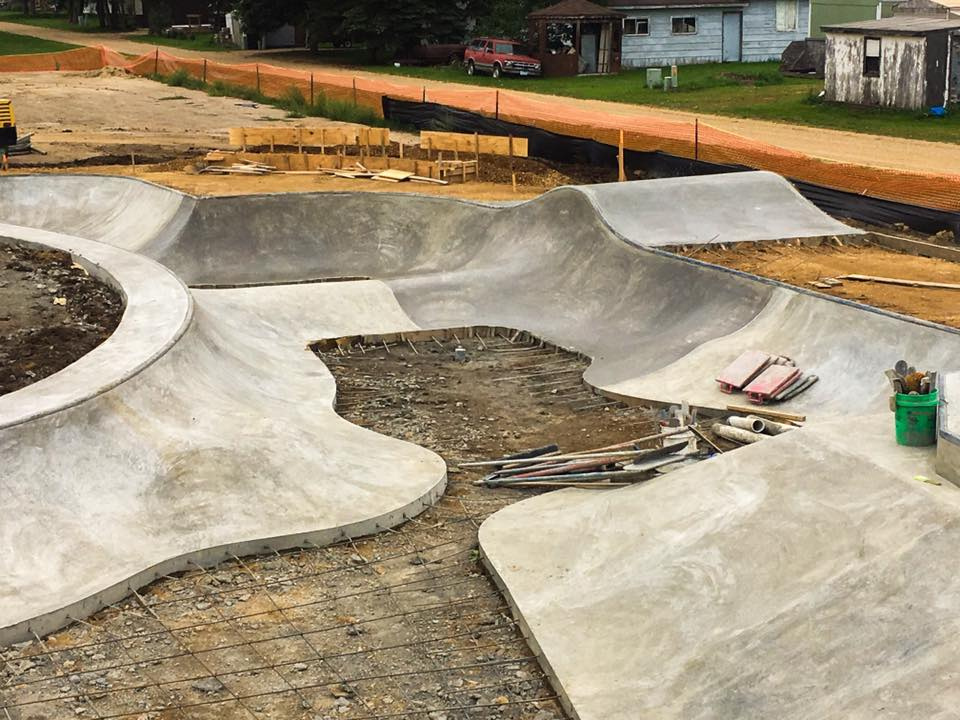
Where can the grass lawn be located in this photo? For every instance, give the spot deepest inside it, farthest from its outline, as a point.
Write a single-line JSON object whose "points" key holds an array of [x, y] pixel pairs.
{"points": [[747, 90], [11, 44], [201, 41]]}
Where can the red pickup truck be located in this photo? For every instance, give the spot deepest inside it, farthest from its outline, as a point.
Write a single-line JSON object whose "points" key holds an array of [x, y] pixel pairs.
{"points": [[499, 57]]}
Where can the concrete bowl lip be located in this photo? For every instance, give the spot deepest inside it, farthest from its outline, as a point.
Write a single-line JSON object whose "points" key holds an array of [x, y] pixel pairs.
{"points": [[158, 309]]}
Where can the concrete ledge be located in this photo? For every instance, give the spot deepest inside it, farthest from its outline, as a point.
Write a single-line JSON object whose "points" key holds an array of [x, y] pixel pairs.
{"points": [[157, 311]]}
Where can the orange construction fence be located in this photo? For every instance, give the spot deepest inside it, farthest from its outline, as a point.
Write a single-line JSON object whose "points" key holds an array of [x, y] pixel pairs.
{"points": [[684, 139]]}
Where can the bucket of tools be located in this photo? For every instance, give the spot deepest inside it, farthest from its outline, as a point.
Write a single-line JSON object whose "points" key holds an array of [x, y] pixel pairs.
{"points": [[915, 419], [914, 404]]}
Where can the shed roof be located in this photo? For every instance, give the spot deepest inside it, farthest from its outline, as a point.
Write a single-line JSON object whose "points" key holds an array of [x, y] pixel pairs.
{"points": [[896, 25], [649, 4], [575, 9]]}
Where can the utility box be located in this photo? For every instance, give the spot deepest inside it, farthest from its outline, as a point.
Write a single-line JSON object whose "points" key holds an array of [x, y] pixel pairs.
{"points": [[8, 124], [654, 77]]}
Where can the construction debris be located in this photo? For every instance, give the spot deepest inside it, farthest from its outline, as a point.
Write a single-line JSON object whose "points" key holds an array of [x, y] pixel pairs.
{"points": [[353, 172], [24, 147], [906, 380], [764, 377], [901, 281], [604, 467]]}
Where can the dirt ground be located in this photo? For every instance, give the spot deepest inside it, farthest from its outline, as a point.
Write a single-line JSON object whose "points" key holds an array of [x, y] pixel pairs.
{"points": [[99, 116], [801, 265], [402, 624], [112, 123], [51, 313]]}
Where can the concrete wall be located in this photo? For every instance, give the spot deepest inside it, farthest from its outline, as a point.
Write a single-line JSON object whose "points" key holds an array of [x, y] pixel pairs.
{"points": [[902, 80], [761, 40]]}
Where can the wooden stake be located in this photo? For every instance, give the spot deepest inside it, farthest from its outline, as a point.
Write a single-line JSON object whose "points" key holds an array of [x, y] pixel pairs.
{"points": [[476, 142], [696, 138], [258, 77], [204, 71], [271, 142], [424, 93], [354, 91], [300, 139], [312, 102], [514, 177], [622, 172], [497, 111], [323, 144], [243, 139], [156, 62], [133, 162], [400, 143]]}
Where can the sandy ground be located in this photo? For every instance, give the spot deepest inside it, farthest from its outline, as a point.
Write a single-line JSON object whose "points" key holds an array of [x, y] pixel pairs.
{"points": [[801, 265], [834, 145], [77, 116]]}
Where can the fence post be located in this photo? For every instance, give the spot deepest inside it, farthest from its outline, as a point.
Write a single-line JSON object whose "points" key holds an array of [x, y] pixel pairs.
{"points": [[156, 62], [204, 71], [258, 77], [497, 111], [354, 91], [696, 138], [311, 89], [621, 172], [424, 99]]}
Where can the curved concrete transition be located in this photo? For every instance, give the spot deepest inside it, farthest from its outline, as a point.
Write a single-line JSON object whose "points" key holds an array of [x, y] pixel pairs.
{"points": [[807, 566]]}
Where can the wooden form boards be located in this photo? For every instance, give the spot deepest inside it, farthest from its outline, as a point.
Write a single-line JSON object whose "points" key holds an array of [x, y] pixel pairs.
{"points": [[302, 162], [309, 137], [469, 143]]}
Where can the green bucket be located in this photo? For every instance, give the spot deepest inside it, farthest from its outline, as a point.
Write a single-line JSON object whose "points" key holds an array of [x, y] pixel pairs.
{"points": [[915, 417]]}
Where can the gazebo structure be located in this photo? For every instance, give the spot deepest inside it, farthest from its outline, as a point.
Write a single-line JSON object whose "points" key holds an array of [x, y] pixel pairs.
{"points": [[576, 37]]}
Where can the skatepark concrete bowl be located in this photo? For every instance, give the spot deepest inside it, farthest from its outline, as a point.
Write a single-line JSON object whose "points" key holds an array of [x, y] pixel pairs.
{"points": [[696, 595]]}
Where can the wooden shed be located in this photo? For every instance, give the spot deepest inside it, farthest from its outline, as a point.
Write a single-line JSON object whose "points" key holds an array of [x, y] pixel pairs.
{"points": [[903, 61], [576, 37]]}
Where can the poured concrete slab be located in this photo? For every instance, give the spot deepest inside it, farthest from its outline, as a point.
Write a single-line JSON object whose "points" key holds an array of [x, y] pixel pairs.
{"points": [[805, 576]]}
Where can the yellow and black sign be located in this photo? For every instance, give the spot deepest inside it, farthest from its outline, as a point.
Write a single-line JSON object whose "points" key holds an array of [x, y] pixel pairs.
{"points": [[8, 124]]}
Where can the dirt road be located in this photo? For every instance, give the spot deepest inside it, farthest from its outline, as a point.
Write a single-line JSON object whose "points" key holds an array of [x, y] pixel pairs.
{"points": [[836, 145]]}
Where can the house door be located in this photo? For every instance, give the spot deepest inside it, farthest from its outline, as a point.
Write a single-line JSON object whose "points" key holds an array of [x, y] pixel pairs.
{"points": [[588, 53], [954, 76], [732, 35]]}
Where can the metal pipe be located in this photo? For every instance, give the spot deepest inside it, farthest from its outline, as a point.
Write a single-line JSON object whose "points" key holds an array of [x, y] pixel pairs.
{"points": [[735, 434], [750, 422]]}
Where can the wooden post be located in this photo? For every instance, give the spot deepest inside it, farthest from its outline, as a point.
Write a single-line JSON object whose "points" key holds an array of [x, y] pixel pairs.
{"points": [[300, 139], [476, 142], [696, 138], [156, 62], [133, 162], [243, 139], [323, 144], [258, 77], [312, 102], [383, 144], [429, 142], [622, 172], [497, 111], [424, 93], [400, 143], [354, 91], [514, 177], [271, 142], [511, 147]]}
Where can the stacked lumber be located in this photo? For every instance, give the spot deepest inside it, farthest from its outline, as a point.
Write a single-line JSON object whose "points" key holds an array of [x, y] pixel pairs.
{"points": [[474, 143], [355, 171]]}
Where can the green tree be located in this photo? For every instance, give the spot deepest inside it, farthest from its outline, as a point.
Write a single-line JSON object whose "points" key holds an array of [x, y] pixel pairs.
{"points": [[259, 17]]}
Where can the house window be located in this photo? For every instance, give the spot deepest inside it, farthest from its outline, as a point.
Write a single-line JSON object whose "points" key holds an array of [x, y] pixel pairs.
{"points": [[871, 57], [683, 25], [786, 15], [636, 26]]}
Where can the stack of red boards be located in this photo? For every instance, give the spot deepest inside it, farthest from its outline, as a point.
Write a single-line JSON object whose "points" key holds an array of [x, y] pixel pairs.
{"points": [[771, 382], [745, 368]]}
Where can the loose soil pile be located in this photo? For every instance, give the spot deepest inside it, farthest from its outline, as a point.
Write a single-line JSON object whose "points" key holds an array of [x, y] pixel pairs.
{"points": [[51, 313]]}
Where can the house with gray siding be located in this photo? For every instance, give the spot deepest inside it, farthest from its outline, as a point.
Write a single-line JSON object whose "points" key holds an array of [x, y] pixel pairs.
{"points": [[684, 32]]}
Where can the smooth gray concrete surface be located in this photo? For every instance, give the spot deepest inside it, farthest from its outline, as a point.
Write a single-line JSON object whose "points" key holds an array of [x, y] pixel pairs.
{"points": [[805, 576], [656, 601], [699, 210]]}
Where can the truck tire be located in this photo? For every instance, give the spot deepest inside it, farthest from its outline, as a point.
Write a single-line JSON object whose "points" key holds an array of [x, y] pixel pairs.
{"points": [[496, 71], [471, 68]]}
